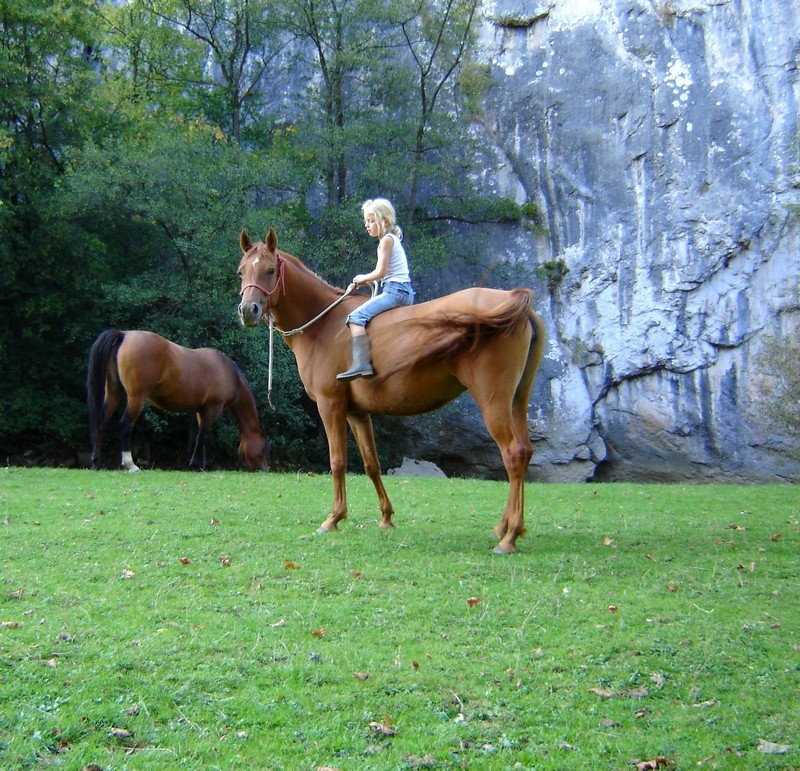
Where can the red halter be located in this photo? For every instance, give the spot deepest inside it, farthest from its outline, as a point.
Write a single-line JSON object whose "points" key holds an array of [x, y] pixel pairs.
{"points": [[280, 280]]}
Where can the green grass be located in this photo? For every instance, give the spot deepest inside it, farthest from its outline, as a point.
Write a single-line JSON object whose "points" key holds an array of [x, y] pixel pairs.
{"points": [[197, 613]]}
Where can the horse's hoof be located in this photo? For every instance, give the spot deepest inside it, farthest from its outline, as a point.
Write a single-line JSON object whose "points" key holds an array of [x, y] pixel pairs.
{"points": [[322, 530], [386, 525], [503, 550]]}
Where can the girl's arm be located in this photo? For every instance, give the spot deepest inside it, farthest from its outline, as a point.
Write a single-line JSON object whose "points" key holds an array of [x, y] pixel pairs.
{"points": [[385, 246]]}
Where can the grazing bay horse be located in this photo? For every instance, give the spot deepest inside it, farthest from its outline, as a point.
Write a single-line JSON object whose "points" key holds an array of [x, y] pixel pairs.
{"points": [[485, 341], [145, 367]]}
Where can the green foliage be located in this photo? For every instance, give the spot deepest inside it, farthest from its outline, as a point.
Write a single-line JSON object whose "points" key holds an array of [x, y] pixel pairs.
{"points": [[553, 271], [187, 620]]}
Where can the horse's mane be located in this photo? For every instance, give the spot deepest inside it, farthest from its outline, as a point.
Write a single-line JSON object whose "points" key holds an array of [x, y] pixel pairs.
{"points": [[305, 269], [456, 331]]}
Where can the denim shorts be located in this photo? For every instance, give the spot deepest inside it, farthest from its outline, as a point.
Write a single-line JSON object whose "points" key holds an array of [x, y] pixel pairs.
{"points": [[393, 295]]}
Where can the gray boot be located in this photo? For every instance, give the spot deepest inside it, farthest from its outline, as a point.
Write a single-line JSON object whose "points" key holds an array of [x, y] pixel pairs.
{"points": [[362, 364]]}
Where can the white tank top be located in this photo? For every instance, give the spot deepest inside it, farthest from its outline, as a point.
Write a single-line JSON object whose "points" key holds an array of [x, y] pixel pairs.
{"points": [[398, 263]]}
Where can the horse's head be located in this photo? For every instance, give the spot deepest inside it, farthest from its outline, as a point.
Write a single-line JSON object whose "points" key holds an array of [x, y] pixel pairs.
{"points": [[261, 274], [254, 452]]}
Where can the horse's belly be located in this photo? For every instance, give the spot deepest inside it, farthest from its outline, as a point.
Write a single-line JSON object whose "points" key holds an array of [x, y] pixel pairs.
{"points": [[395, 396]]}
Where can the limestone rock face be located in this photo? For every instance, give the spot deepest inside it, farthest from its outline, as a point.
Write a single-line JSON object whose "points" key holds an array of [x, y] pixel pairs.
{"points": [[658, 140]]}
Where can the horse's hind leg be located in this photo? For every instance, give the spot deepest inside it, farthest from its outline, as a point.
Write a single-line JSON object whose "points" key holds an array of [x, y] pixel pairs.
{"points": [[127, 423], [361, 426]]}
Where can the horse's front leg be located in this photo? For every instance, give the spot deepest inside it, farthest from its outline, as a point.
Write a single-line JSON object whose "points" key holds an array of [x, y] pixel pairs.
{"points": [[333, 418], [361, 426]]}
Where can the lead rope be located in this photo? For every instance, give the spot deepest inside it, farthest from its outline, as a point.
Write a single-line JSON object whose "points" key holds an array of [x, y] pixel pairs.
{"points": [[299, 331], [269, 369]]}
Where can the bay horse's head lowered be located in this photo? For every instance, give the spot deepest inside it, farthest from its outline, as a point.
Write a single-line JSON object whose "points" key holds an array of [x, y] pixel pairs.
{"points": [[261, 274]]}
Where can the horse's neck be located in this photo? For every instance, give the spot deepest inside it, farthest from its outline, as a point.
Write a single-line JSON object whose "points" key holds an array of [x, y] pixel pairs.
{"points": [[306, 295], [244, 410]]}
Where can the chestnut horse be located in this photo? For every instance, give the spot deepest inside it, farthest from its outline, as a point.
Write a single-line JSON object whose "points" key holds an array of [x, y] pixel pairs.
{"points": [[485, 341], [146, 367]]}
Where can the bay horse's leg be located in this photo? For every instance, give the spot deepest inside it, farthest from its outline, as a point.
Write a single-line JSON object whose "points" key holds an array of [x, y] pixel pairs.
{"points": [[333, 418], [205, 419], [128, 421], [199, 443], [113, 396], [361, 426]]}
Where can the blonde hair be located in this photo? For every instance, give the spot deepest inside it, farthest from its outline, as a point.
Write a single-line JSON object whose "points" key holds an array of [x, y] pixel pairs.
{"points": [[382, 211]]}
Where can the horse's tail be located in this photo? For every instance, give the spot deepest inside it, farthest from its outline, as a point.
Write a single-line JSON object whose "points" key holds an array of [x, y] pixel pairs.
{"points": [[457, 331], [535, 354], [103, 350]]}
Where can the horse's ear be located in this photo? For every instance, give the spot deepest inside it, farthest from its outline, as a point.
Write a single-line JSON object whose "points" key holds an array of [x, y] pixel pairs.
{"points": [[244, 241], [271, 240]]}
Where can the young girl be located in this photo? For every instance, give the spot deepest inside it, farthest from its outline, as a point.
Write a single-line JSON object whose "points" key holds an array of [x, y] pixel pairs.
{"points": [[392, 270]]}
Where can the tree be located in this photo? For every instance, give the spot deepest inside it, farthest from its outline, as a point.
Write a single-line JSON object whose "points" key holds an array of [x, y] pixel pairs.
{"points": [[437, 33], [347, 41], [241, 41]]}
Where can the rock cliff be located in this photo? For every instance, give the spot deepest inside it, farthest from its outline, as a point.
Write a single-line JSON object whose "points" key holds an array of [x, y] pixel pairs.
{"points": [[657, 139]]}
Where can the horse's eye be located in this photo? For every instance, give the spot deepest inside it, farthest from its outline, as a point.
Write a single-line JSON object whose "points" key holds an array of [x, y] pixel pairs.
{"points": [[271, 272]]}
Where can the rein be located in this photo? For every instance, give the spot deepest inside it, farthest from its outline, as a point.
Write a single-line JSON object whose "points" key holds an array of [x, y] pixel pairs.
{"points": [[280, 281]]}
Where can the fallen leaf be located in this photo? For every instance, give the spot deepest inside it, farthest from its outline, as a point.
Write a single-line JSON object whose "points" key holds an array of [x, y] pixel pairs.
{"points": [[672, 588], [658, 679], [16, 595], [120, 733], [281, 622], [650, 765], [415, 665], [776, 537], [126, 574], [214, 521], [705, 704], [11, 624], [603, 693], [608, 540], [651, 557], [52, 663], [473, 601], [318, 633], [383, 728], [225, 560], [612, 608], [771, 748], [356, 574], [289, 565], [185, 561], [361, 675], [739, 528], [134, 710]]}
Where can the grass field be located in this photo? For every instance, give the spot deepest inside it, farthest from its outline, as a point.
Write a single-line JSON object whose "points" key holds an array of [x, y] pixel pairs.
{"points": [[180, 620]]}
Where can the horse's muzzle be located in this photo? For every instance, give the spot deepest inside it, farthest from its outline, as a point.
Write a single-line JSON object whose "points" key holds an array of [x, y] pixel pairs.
{"points": [[250, 313]]}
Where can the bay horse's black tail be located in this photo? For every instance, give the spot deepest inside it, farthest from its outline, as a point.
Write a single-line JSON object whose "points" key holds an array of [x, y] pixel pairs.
{"points": [[103, 351]]}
